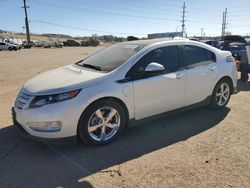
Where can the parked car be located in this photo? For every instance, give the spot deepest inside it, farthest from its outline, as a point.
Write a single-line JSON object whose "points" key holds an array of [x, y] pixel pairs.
{"points": [[132, 38], [85, 43], [214, 43], [55, 44], [38, 43], [16, 45], [27, 45], [90, 42], [235, 44], [7, 46], [71, 43], [235, 48], [97, 97]]}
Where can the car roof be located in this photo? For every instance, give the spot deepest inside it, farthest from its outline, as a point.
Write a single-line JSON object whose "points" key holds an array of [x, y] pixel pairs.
{"points": [[153, 41], [175, 41]]}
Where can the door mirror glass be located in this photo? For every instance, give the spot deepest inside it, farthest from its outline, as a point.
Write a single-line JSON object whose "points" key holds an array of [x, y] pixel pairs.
{"points": [[154, 68]]}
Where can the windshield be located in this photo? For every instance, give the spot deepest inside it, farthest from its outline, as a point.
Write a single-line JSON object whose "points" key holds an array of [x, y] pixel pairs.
{"points": [[110, 58]]}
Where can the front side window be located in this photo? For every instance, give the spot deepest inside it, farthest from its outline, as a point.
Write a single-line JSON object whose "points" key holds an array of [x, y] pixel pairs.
{"points": [[196, 56], [167, 56]]}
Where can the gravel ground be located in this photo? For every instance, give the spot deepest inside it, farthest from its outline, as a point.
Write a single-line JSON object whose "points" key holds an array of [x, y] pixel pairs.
{"points": [[198, 148]]}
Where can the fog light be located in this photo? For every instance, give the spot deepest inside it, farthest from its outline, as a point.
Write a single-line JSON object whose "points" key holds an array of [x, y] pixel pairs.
{"points": [[51, 126]]}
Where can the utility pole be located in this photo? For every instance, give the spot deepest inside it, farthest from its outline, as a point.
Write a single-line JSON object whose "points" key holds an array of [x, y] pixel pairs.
{"points": [[202, 32], [224, 23], [183, 18], [26, 21]]}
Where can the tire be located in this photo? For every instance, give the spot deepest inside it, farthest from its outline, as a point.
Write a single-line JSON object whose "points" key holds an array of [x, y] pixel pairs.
{"points": [[221, 94], [95, 120], [10, 49]]}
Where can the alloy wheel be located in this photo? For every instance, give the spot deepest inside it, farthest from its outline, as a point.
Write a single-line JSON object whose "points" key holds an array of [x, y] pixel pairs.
{"points": [[222, 94], [103, 123]]}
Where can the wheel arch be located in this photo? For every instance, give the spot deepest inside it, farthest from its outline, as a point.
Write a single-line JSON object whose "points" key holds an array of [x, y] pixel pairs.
{"points": [[114, 99], [111, 98], [230, 80]]}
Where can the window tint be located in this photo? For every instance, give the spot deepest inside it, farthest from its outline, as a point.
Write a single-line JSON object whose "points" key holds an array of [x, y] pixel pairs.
{"points": [[167, 56], [1, 43], [196, 56]]}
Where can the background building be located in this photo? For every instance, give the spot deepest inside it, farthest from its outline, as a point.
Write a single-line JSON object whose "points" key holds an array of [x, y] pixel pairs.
{"points": [[165, 35]]}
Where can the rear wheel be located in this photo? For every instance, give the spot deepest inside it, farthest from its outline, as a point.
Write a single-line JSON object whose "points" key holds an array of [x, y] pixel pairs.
{"points": [[102, 122], [221, 94], [10, 49]]}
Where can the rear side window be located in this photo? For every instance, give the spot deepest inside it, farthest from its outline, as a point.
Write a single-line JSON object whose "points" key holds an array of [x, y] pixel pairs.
{"points": [[197, 56]]}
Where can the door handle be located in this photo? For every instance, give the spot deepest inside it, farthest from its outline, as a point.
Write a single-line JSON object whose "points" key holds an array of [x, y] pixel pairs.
{"points": [[212, 68], [178, 76]]}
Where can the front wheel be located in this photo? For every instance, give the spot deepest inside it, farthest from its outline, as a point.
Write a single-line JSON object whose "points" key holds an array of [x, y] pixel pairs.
{"points": [[10, 49], [221, 94], [102, 122]]}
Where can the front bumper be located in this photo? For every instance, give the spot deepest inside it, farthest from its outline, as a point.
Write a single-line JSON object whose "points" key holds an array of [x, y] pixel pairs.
{"points": [[25, 134]]}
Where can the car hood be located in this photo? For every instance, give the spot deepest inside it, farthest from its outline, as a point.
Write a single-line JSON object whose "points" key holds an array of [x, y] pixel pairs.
{"points": [[63, 79], [234, 38]]}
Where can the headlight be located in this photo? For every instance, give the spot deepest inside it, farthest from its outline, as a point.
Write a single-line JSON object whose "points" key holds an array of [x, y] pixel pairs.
{"points": [[39, 101]]}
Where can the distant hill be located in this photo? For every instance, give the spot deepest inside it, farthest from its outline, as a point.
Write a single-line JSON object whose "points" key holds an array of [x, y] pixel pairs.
{"points": [[2, 31], [51, 35]]}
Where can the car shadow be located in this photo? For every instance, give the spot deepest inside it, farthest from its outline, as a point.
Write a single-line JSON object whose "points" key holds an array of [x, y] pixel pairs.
{"points": [[243, 86], [24, 163]]}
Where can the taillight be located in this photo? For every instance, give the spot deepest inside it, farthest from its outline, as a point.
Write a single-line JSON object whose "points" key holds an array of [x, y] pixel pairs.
{"points": [[230, 59]]}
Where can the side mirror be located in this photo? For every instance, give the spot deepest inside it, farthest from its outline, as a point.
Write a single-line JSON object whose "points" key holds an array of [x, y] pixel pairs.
{"points": [[154, 68]]}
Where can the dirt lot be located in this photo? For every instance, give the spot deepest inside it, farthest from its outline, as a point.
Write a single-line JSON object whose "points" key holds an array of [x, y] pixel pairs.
{"points": [[199, 148]]}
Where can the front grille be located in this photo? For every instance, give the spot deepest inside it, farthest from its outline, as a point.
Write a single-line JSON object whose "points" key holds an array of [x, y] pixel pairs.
{"points": [[22, 100]]}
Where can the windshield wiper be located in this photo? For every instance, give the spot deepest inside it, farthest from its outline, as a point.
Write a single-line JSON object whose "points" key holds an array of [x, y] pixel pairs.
{"points": [[91, 66]]}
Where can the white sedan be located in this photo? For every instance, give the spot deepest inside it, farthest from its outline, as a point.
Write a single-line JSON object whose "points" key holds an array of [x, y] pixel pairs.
{"points": [[7, 46], [96, 97]]}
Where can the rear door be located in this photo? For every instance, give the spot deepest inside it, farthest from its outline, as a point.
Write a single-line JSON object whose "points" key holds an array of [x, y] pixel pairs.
{"points": [[201, 70]]}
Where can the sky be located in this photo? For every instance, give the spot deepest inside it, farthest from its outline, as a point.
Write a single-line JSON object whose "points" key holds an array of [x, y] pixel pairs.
{"points": [[125, 17]]}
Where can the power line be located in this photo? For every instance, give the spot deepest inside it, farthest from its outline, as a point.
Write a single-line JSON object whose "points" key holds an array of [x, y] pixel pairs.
{"points": [[232, 26], [133, 15], [239, 11], [202, 22], [86, 29], [121, 15], [159, 12], [107, 12], [152, 4]]}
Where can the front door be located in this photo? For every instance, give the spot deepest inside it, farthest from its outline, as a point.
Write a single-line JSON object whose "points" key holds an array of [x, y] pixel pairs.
{"points": [[154, 94]]}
